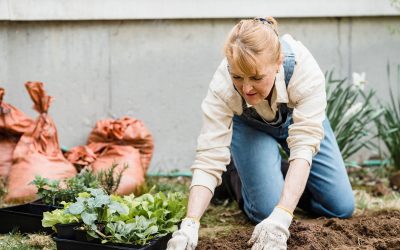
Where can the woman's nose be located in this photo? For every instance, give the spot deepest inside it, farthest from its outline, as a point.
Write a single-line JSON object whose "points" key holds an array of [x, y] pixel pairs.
{"points": [[247, 87]]}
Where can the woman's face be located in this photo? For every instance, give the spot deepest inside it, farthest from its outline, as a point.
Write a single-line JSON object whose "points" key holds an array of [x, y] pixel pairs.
{"points": [[254, 87]]}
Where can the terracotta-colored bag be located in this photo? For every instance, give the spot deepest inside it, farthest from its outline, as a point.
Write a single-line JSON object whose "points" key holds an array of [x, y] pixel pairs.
{"points": [[101, 156], [37, 152], [81, 156], [13, 123], [122, 141], [125, 131]]}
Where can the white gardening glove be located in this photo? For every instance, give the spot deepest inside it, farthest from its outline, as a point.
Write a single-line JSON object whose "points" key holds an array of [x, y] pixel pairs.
{"points": [[186, 237], [273, 232]]}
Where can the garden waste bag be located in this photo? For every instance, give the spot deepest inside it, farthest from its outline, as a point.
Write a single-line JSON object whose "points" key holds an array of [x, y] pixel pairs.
{"points": [[125, 131], [125, 142], [13, 123], [37, 152]]}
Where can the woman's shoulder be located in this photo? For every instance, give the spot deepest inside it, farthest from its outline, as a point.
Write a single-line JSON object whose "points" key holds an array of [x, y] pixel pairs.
{"points": [[307, 75], [287, 37], [296, 45]]}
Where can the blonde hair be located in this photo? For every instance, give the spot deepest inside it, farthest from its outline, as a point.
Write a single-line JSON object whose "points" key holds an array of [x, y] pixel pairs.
{"points": [[251, 38]]}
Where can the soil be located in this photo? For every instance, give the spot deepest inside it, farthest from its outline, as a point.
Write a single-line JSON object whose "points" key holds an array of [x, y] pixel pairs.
{"points": [[380, 230]]}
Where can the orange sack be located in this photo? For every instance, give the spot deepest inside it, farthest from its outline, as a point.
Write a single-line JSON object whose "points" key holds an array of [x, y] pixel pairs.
{"points": [[100, 157], [123, 155], [125, 131], [37, 152], [13, 123], [125, 141]]}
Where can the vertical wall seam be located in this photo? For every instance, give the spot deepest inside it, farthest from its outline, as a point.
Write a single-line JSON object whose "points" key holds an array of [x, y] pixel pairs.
{"points": [[350, 41], [110, 80], [7, 52], [339, 44]]}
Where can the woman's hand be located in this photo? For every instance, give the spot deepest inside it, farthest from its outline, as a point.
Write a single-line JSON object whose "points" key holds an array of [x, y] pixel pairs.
{"points": [[186, 237], [273, 232]]}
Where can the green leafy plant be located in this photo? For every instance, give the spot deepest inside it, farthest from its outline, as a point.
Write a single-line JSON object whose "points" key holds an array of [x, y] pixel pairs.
{"points": [[53, 192], [59, 216], [139, 231], [96, 207], [126, 220], [110, 180], [350, 113], [388, 125]]}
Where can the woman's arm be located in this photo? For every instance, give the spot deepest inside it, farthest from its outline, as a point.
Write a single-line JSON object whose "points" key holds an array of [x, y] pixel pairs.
{"points": [[295, 182], [199, 199]]}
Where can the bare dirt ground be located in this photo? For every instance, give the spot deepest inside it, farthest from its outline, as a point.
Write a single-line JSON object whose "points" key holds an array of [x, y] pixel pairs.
{"points": [[378, 230]]}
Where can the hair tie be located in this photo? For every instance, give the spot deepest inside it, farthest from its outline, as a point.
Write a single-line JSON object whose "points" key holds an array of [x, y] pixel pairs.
{"points": [[265, 21]]}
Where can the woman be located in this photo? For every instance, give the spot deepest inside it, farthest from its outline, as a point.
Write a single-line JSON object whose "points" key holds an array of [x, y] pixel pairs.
{"points": [[268, 91]]}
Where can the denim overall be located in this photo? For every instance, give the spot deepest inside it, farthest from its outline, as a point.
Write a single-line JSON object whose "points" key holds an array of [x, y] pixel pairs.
{"points": [[256, 156]]}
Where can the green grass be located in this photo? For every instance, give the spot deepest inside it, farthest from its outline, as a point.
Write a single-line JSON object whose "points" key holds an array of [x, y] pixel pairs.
{"points": [[164, 184], [365, 202], [17, 241]]}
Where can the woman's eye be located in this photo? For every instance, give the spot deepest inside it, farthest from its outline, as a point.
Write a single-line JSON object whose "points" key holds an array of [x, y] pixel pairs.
{"points": [[257, 78], [236, 77]]}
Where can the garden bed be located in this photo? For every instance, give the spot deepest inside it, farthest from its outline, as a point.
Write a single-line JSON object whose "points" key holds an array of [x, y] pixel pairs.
{"points": [[377, 230]]}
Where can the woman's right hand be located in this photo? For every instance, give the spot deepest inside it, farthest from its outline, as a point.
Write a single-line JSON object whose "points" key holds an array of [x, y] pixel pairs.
{"points": [[186, 237]]}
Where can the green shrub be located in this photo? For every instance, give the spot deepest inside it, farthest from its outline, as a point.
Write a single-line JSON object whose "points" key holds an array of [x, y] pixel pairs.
{"points": [[388, 125], [350, 113]]}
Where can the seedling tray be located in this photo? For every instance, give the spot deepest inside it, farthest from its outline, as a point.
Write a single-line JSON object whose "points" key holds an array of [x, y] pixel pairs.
{"points": [[37, 207], [65, 231], [65, 244], [22, 219]]}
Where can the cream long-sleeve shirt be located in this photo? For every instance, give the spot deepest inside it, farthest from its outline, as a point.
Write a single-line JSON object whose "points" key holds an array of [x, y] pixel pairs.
{"points": [[305, 94]]}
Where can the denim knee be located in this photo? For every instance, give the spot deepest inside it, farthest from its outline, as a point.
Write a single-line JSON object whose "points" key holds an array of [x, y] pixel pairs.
{"points": [[258, 211], [344, 210]]}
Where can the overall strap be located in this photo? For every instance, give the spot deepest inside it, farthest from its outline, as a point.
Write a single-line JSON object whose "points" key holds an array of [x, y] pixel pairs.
{"points": [[289, 61]]}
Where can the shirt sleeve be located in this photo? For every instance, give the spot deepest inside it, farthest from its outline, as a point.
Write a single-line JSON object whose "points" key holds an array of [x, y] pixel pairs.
{"points": [[307, 93], [213, 153]]}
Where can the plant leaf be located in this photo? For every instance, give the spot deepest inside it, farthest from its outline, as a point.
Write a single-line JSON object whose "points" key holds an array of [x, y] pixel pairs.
{"points": [[76, 208]]}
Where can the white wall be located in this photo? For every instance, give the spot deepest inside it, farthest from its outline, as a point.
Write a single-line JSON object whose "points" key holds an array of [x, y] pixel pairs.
{"points": [[187, 9], [159, 70]]}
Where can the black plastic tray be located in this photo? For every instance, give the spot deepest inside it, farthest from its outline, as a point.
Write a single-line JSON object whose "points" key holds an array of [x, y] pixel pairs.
{"points": [[65, 244], [37, 207], [66, 231], [22, 219]]}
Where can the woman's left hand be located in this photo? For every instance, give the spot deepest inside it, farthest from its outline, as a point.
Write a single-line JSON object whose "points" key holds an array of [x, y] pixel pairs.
{"points": [[273, 232]]}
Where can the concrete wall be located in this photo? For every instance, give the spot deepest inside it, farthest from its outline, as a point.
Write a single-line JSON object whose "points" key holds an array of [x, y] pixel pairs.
{"points": [[159, 70], [34, 10]]}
